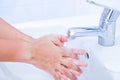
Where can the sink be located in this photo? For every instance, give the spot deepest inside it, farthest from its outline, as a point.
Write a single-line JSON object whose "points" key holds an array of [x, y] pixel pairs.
{"points": [[96, 69]]}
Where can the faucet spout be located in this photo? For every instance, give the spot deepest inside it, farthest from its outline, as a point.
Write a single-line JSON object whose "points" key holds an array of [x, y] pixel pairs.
{"points": [[82, 32]]}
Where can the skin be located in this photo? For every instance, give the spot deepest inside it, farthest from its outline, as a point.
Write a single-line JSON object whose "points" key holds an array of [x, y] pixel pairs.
{"points": [[47, 52]]}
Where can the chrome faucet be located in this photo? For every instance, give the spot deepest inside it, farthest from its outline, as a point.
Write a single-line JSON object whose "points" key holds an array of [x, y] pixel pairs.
{"points": [[105, 31]]}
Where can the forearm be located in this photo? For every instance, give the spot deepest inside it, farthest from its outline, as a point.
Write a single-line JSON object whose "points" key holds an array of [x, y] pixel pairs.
{"points": [[12, 51], [9, 32]]}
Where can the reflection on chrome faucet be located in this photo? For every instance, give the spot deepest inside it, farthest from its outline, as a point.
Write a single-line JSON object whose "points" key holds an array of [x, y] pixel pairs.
{"points": [[105, 31]]}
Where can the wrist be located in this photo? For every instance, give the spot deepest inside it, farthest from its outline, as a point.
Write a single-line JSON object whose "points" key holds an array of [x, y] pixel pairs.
{"points": [[24, 54]]}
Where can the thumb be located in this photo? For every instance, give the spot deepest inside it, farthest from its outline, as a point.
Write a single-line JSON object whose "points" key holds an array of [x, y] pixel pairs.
{"points": [[63, 38]]}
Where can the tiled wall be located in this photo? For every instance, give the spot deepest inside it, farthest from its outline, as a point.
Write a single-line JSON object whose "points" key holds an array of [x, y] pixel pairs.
{"points": [[15, 11]]}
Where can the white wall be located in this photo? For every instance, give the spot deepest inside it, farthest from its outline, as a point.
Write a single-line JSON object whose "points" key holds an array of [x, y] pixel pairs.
{"points": [[16, 11]]}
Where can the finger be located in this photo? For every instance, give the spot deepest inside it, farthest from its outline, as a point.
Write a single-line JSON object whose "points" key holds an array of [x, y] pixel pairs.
{"points": [[57, 42], [79, 63], [75, 72], [63, 38], [62, 76], [56, 39], [73, 54], [55, 75], [68, 63], [66, 72], [80, 51]]}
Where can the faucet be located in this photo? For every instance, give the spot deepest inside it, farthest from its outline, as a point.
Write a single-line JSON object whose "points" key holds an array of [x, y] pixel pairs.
{"points": [[105, 30]]}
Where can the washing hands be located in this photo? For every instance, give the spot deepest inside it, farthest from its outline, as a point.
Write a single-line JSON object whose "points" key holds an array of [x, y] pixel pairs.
{"points": [[47, 52]]}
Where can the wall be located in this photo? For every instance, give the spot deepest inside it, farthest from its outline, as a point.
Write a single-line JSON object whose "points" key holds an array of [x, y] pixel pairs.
{"points": [[16, 11]]}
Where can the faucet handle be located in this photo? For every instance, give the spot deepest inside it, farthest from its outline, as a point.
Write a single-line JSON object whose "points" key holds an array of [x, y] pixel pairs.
{"points": [[109, 14], [101, 5]]}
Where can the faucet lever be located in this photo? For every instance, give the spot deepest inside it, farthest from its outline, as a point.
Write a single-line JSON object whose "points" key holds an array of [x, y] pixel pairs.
{"points": [[107, 25]]}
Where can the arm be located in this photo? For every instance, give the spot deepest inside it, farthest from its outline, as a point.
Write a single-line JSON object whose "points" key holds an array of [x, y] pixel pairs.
{"points": [[11, 51], [9, 32]]}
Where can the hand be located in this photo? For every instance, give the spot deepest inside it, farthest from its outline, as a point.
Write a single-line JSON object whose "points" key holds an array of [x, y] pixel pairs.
{"points": [[48, 54]]}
